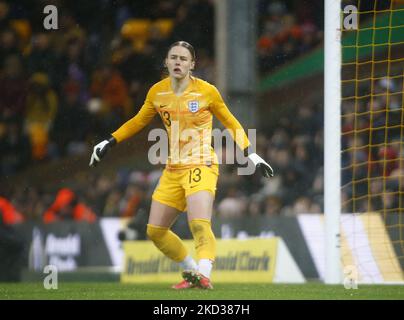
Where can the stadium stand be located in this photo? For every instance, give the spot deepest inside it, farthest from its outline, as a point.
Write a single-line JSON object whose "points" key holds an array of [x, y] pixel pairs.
{"points": [[94, 75]]}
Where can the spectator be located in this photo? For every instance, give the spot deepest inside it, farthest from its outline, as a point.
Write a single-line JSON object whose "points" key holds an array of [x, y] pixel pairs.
{"points": [[74, 67], [11, 244], [134, 200], [9, 215], [112, 204], [272, 206], [14, 147], [232, 206], [11, 253], [4, 15], [13, 88], [9, 43], [42, 58], [67, 207], [109, 85], [71, 114], [41, 109], [305, 205]]}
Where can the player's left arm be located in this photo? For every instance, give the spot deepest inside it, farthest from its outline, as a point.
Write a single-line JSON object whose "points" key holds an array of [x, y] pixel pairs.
{"points": [[222, 112]]}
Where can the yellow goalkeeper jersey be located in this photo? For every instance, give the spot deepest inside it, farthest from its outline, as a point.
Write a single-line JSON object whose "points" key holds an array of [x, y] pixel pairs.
{"points": [[188, 121]]}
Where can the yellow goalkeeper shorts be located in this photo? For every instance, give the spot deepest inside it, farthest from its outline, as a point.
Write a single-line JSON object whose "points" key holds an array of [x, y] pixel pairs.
{"points": [[175, 185]]}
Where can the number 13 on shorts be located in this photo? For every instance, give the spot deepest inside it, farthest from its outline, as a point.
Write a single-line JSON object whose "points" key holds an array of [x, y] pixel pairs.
{"points": [[202, 178], [194, 175]]}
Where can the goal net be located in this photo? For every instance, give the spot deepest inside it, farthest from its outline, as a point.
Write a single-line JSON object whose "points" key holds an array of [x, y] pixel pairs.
{"points": [[372, 142]]}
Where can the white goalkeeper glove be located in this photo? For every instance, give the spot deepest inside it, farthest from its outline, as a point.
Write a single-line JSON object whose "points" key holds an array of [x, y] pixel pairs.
{"points": [[100, 150], [260, 163]]}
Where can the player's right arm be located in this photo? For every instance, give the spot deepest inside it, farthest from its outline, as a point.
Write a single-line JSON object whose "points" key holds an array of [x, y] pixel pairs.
{"points": [[128, 129]]}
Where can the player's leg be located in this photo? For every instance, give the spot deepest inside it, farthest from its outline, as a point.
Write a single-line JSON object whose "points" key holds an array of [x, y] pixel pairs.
{"points": [[160, 221], [168, 202], [200, 205], [200, 188]]}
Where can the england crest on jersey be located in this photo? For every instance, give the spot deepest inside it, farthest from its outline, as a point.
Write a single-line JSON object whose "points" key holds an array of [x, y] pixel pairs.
{"points": [[193, 106]]}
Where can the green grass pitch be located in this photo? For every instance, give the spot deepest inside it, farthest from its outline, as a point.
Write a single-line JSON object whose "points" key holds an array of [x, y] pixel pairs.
{"points": [[162, 291]]}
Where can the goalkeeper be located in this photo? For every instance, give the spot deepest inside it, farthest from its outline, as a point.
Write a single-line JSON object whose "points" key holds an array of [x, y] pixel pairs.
{"points": [[186, 106]]}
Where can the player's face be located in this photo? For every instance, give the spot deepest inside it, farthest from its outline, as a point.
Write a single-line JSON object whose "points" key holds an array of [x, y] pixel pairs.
{"points": [[179, 62]]}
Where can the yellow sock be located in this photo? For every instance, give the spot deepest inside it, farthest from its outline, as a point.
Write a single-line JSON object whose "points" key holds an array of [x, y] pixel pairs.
{"points": [[167, 242], [205, 241]]}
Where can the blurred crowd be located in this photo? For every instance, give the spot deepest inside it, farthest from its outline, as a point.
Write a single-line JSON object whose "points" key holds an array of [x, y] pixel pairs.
{"points": [[91, 74], [373, 153], [60, 91], [296, 188], [287, 30]]}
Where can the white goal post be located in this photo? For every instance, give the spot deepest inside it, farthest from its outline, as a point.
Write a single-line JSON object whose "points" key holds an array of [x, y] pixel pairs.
{"points": [[332, 140]]}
